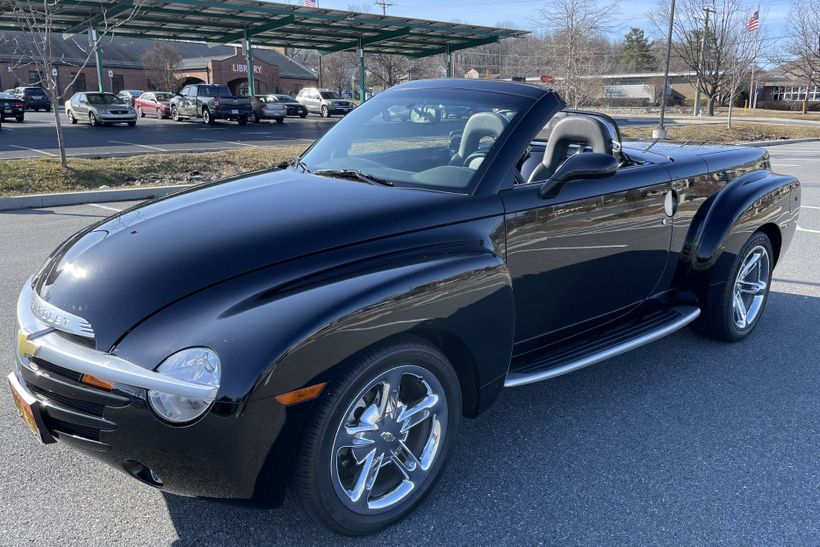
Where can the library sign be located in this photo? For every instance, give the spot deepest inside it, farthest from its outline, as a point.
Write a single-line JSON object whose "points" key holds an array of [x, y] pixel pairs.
{"points": [[243, 68]]}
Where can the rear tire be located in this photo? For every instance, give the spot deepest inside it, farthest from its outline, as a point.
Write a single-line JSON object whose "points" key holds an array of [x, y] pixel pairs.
{"points": [[280, 120], [325, 112], [175, 114], [737, 309], [140, 112], [19, 118], [253, 118], [159, 114], [372, 404], [242, 120]]}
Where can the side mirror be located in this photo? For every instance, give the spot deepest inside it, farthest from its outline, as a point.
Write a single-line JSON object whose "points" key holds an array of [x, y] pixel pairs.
{"points": [[590, 165]]}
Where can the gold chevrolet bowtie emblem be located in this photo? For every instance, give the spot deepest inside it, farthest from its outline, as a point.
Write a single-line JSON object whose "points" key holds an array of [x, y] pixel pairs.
{"points": [[25, 347]]}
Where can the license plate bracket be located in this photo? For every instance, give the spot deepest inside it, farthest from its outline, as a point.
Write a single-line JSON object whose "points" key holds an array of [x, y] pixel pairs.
{"points": [[29, 409], [234, 111]]}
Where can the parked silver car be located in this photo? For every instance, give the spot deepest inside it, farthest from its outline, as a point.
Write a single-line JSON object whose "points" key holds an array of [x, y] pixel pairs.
{"points": [[266, 107], [324, 101], [99, 109]]}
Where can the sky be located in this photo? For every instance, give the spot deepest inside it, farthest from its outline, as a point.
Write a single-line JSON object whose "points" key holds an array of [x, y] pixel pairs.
{"points": [[523, 14]]}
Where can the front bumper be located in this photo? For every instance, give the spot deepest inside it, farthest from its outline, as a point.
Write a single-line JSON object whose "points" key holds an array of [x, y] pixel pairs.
{"points": [[221, 455], [118, 118]]}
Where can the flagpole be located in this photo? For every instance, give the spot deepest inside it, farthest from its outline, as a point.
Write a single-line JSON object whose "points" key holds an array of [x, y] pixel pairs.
{"points": [[752, 86]]}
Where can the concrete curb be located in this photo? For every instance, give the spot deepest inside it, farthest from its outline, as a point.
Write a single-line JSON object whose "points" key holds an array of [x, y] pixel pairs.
{"points": [[94, 196], [779, 142]]}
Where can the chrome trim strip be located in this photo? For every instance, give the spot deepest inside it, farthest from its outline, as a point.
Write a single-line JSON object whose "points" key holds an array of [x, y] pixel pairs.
{"points": [[58, 318], [56, 349], [520, 379]]}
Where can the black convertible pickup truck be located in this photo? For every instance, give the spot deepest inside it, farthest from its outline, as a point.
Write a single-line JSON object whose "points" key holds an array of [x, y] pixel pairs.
{"points": [[325, 327]]}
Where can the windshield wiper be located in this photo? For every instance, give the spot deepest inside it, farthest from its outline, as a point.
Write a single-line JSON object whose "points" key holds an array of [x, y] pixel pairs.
{"points": [[353, 174]]}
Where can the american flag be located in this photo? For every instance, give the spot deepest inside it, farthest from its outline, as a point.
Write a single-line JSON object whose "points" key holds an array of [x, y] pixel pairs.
{"points": [[311, 3], [753, 24]]}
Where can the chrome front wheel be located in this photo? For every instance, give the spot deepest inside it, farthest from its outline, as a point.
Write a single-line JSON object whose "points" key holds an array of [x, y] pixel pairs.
{"points": [[389, 439], [750, 287], [378, 437]]}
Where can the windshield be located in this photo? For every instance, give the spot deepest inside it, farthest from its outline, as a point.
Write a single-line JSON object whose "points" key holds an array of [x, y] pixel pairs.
{"points": [[34, 92], [285, 98], [407, 138], [163, 96], [103, 98], [330, 95]]}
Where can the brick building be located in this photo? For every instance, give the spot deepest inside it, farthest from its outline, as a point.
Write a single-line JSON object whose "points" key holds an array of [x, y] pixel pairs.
{"points": [[123, 67]]}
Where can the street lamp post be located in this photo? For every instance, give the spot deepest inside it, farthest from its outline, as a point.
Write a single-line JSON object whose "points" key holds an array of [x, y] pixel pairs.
{"points": [[660, 131]]}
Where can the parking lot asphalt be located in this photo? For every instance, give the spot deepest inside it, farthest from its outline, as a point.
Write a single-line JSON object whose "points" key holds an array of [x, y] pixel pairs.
{"points": [[36, 137], [684, 441]]}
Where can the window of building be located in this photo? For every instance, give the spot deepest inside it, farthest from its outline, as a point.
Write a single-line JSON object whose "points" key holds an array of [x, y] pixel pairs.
{"points": [[33, 77], [117, 83], [79, 82]]}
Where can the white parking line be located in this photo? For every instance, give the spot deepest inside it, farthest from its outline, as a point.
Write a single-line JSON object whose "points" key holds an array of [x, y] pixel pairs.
{"points": [[106, 207], [809, 207], [141, 145], [43, 152], [228, 142], [799, 229]]}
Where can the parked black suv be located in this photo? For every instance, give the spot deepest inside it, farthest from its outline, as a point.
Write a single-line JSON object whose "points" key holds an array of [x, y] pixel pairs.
{"points": [[34, 97]]}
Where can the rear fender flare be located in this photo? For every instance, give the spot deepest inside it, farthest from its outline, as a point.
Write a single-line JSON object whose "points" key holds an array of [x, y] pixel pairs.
{"points": [[726, 221]]}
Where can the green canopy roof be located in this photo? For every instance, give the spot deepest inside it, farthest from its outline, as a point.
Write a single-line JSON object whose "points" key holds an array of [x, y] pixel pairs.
{"points": [[267, 24]]}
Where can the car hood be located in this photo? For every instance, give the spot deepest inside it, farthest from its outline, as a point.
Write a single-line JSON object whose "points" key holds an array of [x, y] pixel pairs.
{"points": [[118, 272]]}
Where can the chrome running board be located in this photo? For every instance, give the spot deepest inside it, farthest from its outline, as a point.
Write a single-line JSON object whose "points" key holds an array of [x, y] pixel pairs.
{"points": [[604, 346]]}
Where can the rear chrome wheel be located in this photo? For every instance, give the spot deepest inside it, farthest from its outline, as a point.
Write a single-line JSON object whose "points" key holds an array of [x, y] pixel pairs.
{"points": [[750, 287], [389, 439], [732, 309], [378, 437]]}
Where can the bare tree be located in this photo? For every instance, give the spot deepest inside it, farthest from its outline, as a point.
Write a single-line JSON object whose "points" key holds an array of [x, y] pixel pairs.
{"points": [[338, 68], [161, 64], [802, 49], [723, 36], [388, 70], [35, 44], [577, 34]]}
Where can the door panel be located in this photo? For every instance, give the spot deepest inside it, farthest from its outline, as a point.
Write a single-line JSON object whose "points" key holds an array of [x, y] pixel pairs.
{"points": [[597, 248]]}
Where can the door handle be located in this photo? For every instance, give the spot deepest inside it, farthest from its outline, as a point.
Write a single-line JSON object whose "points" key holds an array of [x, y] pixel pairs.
{"points": [[670, 203]]}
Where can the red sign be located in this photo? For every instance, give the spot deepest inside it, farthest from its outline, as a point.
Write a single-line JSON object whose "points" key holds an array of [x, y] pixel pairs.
{"points": [[547, 79]]}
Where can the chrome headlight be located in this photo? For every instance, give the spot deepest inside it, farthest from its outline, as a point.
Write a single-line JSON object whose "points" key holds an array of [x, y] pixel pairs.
{"points": [[196, 365]]}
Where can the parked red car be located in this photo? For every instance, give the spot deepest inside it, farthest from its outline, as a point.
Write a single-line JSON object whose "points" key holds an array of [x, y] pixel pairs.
{"points": [[154, 102]]}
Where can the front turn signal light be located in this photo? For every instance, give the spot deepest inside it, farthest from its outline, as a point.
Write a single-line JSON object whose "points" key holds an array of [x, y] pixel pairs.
{"points": [[301, 395], [96, 382]]}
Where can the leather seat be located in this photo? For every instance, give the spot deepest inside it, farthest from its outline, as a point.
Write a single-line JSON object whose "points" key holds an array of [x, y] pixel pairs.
{"points": [[569, 131], [479, 126]]}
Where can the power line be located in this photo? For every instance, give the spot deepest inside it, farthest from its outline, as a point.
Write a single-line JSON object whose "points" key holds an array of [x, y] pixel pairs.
{"points": [[384, 4]]}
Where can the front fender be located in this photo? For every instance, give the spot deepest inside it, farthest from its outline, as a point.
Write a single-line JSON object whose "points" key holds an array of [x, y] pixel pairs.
{"points": [[282, 327]]}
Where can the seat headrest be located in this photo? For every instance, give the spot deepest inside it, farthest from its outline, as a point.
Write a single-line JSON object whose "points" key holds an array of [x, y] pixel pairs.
{"points": [[483, 124], [574, 130]]}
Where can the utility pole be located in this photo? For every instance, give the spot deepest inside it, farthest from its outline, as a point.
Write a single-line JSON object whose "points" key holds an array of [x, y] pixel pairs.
{"points": [[660, 131], [707, 10], [384, 4]]}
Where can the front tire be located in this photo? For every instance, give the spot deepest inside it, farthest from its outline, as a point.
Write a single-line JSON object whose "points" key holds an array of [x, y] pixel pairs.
{"points": [[140, 112], [207, 118], [92, 120], [71, 119], [378, 438], [20, 118], [736, 311], [325, 112], [175, 114]]}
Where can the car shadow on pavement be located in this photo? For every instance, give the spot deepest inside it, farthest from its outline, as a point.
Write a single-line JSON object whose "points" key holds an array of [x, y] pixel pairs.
{"points": [[686, 440]]}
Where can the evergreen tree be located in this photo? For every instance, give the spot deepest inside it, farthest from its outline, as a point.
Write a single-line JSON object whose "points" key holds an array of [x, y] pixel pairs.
{"points": [[637, 55]]}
